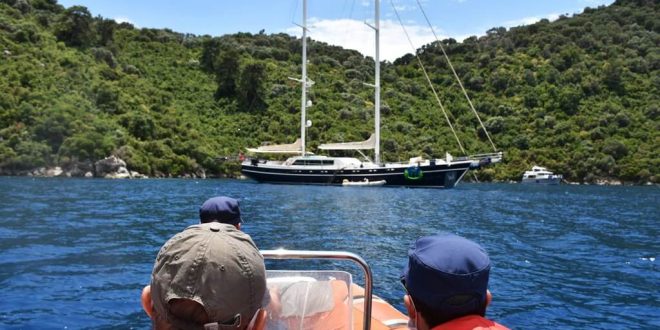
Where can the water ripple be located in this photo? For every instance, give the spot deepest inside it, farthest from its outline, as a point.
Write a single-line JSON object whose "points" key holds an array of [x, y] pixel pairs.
{"points": [[563, 257]]}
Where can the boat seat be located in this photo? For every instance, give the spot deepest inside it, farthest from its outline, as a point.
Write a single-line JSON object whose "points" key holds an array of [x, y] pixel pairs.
{"points": [[304, 302]]}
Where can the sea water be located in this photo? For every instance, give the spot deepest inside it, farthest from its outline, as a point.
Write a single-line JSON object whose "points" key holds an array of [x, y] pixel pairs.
{"points": [[75, 253]]}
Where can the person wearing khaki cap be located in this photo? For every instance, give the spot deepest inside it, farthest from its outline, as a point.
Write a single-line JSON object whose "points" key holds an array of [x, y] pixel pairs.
{"points": [[209, 276]]}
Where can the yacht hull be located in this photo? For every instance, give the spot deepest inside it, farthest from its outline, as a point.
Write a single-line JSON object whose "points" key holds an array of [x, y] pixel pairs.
{"points": [[549, 181], [433, 176]]}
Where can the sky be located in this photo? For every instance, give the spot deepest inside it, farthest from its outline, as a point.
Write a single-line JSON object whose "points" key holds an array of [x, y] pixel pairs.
{"points": [[338, 22]]}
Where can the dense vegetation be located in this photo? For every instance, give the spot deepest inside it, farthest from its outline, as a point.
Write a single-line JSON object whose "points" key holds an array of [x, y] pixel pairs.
{"points": [[578, 95]]}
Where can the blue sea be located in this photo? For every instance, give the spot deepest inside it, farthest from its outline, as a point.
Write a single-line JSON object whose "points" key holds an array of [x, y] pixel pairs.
{"points": [[75, 253]]}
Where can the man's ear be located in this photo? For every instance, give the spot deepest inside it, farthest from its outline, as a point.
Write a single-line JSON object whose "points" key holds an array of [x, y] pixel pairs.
{"points": [[259, 321], [489, 297], [147, 304], [409, 306], [238, 226]]}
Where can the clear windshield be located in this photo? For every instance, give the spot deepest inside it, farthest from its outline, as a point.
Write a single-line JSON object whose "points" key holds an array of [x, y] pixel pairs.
{"points": [[314, 300]]}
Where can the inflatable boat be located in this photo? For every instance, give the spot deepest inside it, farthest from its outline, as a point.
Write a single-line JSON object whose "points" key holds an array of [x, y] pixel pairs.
{"points": [[363, 183]]}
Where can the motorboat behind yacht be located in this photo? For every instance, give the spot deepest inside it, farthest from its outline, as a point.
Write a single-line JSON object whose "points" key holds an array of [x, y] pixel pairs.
{"points": [[541, 175]]}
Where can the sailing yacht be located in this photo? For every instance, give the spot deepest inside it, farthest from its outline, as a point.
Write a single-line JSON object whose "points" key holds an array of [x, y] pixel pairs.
{"points": [[307, 168]]}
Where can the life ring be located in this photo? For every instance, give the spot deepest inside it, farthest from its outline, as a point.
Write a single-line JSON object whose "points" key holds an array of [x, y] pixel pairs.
{"points": [[413, 173]]}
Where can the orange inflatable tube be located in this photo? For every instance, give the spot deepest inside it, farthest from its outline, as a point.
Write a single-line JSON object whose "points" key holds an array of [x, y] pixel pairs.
{"points": [[383, 315]]}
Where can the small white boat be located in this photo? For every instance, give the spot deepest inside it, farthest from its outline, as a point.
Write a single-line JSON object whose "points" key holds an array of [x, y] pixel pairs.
{"points": [[541, 175], [363, 183]]}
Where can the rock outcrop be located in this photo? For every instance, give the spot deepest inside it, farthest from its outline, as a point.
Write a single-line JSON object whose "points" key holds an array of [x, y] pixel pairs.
{"points": [[608, 182], [114, 167], [108, 165], [80, 169]]}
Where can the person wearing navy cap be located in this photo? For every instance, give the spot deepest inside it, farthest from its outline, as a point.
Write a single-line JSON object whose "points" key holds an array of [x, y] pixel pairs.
{"points": [[446, 280], [221, 209]]}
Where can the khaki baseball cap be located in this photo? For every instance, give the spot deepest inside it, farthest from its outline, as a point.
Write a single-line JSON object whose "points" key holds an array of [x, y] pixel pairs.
{"points": [[215, 265]]}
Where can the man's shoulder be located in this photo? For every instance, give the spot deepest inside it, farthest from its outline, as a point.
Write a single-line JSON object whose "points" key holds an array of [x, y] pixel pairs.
{"points": [[470, 322]]}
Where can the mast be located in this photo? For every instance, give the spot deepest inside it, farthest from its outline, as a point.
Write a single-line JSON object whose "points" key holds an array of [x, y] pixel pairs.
{"points": [[303, 106], [377, 83]]}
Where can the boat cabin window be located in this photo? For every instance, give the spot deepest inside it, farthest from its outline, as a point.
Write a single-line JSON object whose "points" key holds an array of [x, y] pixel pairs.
{"points": [[309, 300], [313, 162]]}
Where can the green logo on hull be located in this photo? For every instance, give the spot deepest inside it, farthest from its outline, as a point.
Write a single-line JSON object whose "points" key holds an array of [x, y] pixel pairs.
{"points": [[413, 173]]}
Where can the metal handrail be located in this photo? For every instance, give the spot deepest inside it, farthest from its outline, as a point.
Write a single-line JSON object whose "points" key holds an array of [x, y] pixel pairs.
{"points": [[488, 155], [336, 255]]}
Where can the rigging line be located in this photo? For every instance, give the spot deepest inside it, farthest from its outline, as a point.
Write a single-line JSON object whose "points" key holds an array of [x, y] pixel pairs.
{"points": [[428, 79], [456, 75], [343, 7], [350, 15], [294, 7], [350, 11], [345, 31]]}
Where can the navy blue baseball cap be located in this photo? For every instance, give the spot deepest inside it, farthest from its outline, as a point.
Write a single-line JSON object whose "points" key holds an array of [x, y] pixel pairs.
{"points": [[448, 274], [221, 209]]}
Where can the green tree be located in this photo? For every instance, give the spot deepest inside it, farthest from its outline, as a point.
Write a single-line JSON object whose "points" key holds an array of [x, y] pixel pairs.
{"points": [[226, 73], [251, 85], [615, 149], [74, 27], [54, 128], [87, 146], [105, 29], [612, 77]]}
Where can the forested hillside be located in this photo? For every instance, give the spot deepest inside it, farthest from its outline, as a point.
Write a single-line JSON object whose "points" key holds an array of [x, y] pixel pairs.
{"points": [[578, 95]]}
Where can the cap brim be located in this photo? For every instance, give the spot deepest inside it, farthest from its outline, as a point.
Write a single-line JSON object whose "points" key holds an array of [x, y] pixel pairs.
{"points": [[404, 273]]}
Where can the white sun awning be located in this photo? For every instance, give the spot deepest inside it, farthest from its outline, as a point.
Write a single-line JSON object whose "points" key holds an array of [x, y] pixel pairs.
{"points": [[370, 143], [292, 148]]}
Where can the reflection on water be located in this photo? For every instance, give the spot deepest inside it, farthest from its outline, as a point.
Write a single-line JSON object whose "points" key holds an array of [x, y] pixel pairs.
{"points": [[563, 256]]}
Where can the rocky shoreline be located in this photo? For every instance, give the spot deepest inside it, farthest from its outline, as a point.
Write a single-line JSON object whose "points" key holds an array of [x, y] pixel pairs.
{"points": [[111, 167], [118, 170], [597, 182]]}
